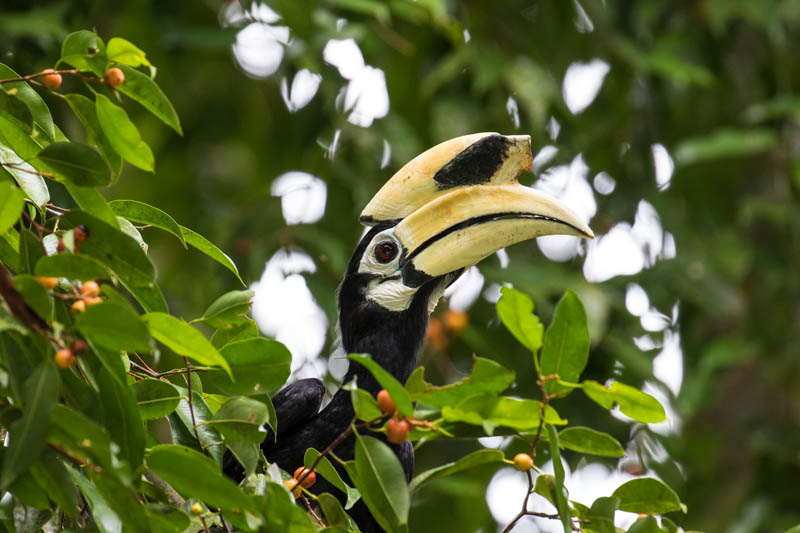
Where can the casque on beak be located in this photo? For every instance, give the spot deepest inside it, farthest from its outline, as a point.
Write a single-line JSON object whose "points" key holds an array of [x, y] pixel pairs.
{"points": [[460, 202]]}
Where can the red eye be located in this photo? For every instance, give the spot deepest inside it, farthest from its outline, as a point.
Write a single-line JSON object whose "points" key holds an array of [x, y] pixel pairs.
{"points": [[385, 251]]}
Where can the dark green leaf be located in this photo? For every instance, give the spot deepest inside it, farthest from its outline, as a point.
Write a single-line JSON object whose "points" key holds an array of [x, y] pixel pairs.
{"points": [[241, 420], [28, 435], [12, 200], [280, 514], [388, 382], [35, 296], [75, 163], [382, 483], [601, 514], [334, 514], [114, 326], [28, 491], [724, 143], [487, 377], [231, 333], [632, 402], [71, 266], [247, 453], [83, 437], [105, 518], [325, 469], [516, 311], [587, 440], [166, 519], [121, 418], [84, 109], [194, 475], [647, 496], [31, 99], [84, 50], [182, 418], [123, 134], [51, 474], [565, 350], [183, 339], [204, 245], [143, 213], [230, 308], [156, 398], [144, 90], [122, 500], [558, 469], [257, 366], [16, 148], [471, 460]]}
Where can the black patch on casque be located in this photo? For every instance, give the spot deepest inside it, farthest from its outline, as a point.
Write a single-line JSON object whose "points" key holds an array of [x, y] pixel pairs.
{"points": [[475, 164]]}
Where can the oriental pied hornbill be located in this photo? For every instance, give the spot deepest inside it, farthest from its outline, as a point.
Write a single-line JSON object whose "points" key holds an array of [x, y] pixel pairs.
{"points": [[446, 210]]}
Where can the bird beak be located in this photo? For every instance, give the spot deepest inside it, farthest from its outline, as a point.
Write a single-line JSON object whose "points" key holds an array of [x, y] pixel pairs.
{"points": [[460, 202]]}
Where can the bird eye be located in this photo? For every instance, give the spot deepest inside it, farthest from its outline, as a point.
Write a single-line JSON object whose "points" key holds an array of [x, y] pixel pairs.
{"points": [[385, 251]]}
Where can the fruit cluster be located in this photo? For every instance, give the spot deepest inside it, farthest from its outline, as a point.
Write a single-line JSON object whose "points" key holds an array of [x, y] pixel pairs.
{"points": [[114, 77], [440, 330], [302, 479], [398, 428]]}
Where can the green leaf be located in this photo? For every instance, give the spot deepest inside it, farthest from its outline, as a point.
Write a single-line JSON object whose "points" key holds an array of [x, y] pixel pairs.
{"points": [[90, 200], [83, 437], [143, 89], [123, 51], [155, 398], [632, 402], [519, 414], [84, 109], [388, 382], [84, 50], [110, 246], [257, 366], [487, 377], [181, 421], [28, 434], [114, 326], [587, 440], [25, 93], [71, 266], [35, 296], [364, 404], [123, 134], [105, 518], [233, 333], [16, 147], [558, 469], [325, 469], [647, 496], [248, 454], [241, 420], [204, 245], [646, 524], [516, 312], [184, 340], [29, 492], [143, 213], [601, 514], [164, 518], [74, 162], [122, 500], [565, 350], [121, 418], [230, 308], [476, 458], [723, 144], [12, 200], [334, 514], [382, 483], [194, 475], [545, 486], [280, 513]]}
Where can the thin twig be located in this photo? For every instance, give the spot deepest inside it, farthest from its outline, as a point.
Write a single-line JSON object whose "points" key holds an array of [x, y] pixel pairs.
{"points": [[29, 77], [191, 407], [171, 493], [15, 166], [310, 510]]}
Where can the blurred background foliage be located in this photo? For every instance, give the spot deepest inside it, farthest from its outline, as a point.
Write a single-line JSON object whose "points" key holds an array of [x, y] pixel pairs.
{"points": [[695, 130]]}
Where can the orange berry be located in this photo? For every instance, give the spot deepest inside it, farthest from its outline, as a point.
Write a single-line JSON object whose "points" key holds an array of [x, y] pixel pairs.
{"points": [[291, 484], [90, 289], [60, 247], [455, 321], [47, 283], [397, 430], [436, 335], [64, 358], [309, 480], [386, 403], [93, 300], [523, 462], [114, 77], [79, 347], [79, 306], [51, 80], [80, 233]]}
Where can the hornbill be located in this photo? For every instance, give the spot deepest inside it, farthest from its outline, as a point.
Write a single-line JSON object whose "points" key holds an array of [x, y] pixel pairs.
{"points": [[443, 212]]}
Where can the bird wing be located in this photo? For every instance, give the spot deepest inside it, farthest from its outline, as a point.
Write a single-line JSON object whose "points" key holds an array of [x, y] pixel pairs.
{"points": [[296, 404]]}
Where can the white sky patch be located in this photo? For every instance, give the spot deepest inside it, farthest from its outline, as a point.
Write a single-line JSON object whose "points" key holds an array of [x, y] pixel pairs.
{"points": [[259, 48], [366, 97], [465, 290], [553, 128], [386, 156], [582, 82], [303, 197], [492, 293], [513, 110], [664, 166], [495, 443], [645, 343], [668, 364], [647, 231], [653, 320], [672, 423], [604, 184], [614, 254], [467, 36], [285, 310], [582, 21], [542, 157], [568, 184], [636, 300], [502, 256], [304, 86]]}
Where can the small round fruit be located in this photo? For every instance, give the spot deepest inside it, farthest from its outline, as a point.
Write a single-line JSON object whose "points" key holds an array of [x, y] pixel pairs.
{"points": [[309, 480], [64, 358], [79, 306], [47, 283], [397, 430], [293, 487], [52, 80], [90, 289], [523, 462], [437, 337], [114, 77], [79, 347], [455, 321], [80, 233], [92, 300], [386, 403], [196, 509], [60, 247]]}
